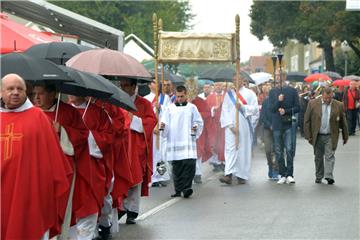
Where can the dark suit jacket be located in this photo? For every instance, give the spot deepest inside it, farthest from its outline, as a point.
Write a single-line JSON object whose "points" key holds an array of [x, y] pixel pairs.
{"points": [[312, 121]]}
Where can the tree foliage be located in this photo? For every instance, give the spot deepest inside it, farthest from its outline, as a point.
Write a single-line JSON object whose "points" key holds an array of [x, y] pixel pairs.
{"points": [[305, 21], [134, 16]]}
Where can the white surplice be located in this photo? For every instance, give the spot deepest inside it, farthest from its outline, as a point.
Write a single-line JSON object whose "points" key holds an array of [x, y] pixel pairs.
{"points": [[159, 154], [178, 122], [238, 161]]}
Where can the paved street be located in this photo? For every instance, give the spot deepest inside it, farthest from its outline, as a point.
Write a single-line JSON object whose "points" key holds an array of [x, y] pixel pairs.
{"points": [[260, 209]]}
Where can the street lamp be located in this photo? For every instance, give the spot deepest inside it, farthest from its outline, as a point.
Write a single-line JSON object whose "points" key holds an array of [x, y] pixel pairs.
{"points": [[274, 59], [280, 56], [345, 47]]}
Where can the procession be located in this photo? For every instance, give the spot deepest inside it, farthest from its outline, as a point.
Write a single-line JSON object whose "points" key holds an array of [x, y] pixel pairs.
{"points": [[95, 144]]}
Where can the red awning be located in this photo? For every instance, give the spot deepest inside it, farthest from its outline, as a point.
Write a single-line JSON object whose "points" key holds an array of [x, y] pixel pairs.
{"points": [[16, 37]]}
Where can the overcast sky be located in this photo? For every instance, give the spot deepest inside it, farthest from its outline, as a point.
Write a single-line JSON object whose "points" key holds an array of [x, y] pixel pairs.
{"points": [[219, 16]]}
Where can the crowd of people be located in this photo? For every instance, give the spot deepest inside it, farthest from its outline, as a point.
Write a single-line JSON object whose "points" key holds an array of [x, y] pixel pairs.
{"points": [[86, 163]]}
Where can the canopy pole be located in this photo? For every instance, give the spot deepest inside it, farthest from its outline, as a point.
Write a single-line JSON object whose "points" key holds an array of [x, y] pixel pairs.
{"points": [[155, 38], [237, 38], [162, 65]]}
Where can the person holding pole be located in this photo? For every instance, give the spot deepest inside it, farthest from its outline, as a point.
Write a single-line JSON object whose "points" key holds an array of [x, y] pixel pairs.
{"points": [[242, 102]]}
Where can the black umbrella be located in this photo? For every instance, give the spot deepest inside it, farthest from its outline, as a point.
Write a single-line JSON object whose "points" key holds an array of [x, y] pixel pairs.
{"points": [[333, 75], [296, 76], [57, 52], [223, 74], [118, 97], [85, 84], [31, 69]]}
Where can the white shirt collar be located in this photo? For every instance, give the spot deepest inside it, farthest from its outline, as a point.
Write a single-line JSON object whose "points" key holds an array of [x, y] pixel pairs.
{"points": [[27, 104], [133, 97], [81, 106]]}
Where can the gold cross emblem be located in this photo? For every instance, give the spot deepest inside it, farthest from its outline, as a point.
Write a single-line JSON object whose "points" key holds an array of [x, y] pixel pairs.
{"points": [[9, 137]]}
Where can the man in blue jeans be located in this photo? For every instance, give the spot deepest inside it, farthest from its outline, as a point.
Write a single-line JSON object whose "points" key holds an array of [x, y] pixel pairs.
{"points": [[284, 104]]}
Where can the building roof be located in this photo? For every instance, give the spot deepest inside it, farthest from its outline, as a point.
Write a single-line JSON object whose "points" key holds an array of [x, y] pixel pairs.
{"points": [[65, 21]]}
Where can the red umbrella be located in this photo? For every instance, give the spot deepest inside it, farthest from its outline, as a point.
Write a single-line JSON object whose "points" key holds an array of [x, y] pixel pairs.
{"points": [[341, 83], [317, 77], [16, 37], [109, 62]]}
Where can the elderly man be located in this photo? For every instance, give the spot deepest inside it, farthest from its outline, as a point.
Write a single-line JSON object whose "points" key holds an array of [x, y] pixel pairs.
{"points": [[33, 177], [323, 118]]}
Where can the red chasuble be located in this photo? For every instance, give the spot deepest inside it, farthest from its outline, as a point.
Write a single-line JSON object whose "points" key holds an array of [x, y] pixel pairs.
{"points": [[84, 200], [122, 172], [140, 145], [217, 134], [203, 143], [34, 175], [98, 122]]}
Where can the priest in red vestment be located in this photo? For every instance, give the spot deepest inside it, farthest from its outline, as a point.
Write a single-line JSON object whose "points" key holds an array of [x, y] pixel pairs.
{"points": [[101, 151], [74, 142], [34, 170], [142, 123], [203, 144], [217, 135]]}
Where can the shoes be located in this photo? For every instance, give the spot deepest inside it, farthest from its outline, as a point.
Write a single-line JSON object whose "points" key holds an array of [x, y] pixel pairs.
{"points": [[159, 184], [290, 180], [226, 179], [318, 180], [217, 168], [330, 181], [120, 214], [188, 192], [177, 194], [241, 180], [282, 180], [197, 179], [130, 220], [155, 184], [131, 216], [104, 233]]}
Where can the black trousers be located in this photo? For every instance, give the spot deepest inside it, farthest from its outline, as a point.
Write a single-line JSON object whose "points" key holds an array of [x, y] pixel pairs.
{"points": [[183, 173], [352, 119]]}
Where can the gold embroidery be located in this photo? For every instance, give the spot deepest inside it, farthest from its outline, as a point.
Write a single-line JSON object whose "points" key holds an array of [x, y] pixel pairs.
{"points": [[8, 137]]}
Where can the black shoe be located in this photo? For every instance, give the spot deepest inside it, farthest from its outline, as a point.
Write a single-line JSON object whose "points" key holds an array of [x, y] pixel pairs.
{"points": [[162, 184], [177, 194], [155, 184], [330, 181], [188, 192], [120, 214], [131, 216], [318, 180], [130, 220], [104, 233]]}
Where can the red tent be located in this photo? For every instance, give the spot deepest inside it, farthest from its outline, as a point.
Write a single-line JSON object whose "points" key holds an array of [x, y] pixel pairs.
{"points": [[16, 37]]}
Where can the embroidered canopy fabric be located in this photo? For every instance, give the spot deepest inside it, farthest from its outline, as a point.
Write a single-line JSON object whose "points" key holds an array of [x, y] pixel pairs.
{"points": [[179, 47]]}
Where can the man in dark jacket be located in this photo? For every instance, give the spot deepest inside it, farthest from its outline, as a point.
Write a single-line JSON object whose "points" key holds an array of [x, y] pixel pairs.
{"points": [[284, 103]]}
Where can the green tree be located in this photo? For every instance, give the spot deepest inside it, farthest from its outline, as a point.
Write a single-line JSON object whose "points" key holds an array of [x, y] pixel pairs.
{"points": [[306, 21], [134, 16]]}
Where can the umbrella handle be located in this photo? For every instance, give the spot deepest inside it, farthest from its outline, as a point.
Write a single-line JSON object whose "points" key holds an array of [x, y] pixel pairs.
{"points": [[87, 106], [57, 107]]}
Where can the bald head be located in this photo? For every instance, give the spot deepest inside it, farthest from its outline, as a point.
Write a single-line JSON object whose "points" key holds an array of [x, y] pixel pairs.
{"points": [[13, 91]]}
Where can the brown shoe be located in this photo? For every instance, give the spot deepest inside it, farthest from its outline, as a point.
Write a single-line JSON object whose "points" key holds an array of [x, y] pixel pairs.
{"points": [[226, 179], [241, 180]]}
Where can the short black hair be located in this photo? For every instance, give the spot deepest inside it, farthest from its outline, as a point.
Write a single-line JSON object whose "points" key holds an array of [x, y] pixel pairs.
{"points": [[181, 89], [46, 86]]}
